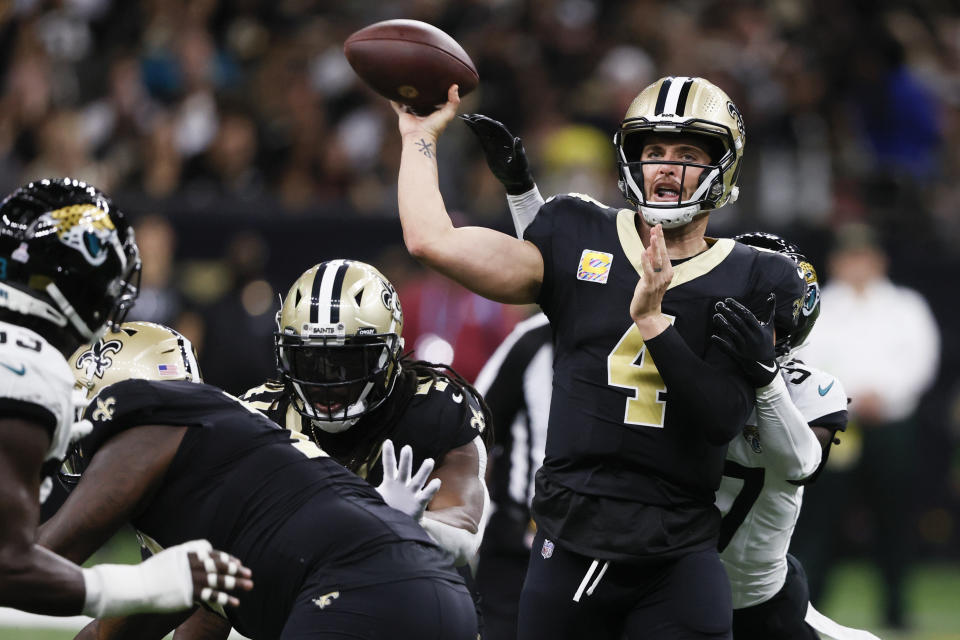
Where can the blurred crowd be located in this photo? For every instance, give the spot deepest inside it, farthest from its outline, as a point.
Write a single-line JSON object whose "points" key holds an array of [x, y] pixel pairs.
{"points": [[239, 138], [850, 107]]}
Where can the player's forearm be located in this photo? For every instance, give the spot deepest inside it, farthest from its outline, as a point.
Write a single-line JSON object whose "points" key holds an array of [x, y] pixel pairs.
{"points": [[36, 580], [423, 215], [718, 401], [790, 446]]}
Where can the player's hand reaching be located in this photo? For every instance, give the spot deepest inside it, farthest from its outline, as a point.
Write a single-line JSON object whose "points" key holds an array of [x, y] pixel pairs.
{"points": [[172, 580], [747, 340], [431, 125], [654, 280], [399, 489], [504, 153]]}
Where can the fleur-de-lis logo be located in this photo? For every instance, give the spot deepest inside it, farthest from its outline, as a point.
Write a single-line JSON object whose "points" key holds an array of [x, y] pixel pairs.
{"points": [[477, 421], [104, 410], [326, 599], [97, 359]]}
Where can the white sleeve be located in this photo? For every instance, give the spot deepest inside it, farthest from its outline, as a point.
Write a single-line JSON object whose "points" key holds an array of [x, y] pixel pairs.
{"points": [[792, 448], [523, 208]]}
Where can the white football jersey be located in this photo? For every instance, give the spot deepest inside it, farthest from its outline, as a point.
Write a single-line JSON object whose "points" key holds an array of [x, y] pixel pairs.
{"points": [[33, 372], [759, 505]]}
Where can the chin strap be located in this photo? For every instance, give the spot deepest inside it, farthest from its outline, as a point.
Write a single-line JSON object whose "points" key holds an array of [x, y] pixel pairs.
{"points": [[22, 302], [71, 313]]}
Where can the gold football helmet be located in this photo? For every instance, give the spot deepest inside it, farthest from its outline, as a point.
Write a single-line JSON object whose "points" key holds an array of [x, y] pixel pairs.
{"points": [[682, 106], [338, 342], [141, 350]]}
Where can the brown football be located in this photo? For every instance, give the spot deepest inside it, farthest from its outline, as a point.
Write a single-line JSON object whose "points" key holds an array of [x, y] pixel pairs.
{"points": [[411, 62]]}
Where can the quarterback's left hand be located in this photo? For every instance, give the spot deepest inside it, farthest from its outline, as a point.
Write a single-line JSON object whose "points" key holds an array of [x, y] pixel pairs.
{"points": [[401, 491], [748, 341]]}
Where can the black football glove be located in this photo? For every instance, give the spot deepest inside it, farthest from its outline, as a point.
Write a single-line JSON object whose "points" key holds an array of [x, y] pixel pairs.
{"points": [[748, 341], [504, 152]]}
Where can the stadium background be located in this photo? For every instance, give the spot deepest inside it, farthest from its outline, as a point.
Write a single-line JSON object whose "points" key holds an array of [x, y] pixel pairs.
{"points": [[238, 138]]}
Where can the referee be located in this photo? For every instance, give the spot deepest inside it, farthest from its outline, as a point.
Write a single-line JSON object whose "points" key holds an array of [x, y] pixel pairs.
{"points": [[516, 382]]}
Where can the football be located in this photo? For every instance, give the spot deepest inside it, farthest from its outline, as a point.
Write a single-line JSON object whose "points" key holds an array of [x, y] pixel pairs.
{"points": [[411, 62]]}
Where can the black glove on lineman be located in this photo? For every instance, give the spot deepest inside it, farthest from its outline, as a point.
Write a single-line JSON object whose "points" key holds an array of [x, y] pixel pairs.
{"points": [[738, 332], [504, 152]]}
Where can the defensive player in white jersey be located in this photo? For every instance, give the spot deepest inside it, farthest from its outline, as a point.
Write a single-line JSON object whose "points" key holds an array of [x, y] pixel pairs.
{"points": [[784, 445], [68, 269]]}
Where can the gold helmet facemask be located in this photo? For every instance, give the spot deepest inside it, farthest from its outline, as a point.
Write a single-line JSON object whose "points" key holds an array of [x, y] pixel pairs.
{"points": [[682, 106], [338, 342]]}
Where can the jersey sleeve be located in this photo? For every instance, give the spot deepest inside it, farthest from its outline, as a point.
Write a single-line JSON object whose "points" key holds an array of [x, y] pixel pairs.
{"points": [[443, 417], [818, 395], [558, 231], [540, 233], [36, 385]]}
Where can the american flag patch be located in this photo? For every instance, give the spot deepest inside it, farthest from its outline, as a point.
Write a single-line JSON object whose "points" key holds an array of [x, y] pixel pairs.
{"points": [[594, 266], [168, 370]]}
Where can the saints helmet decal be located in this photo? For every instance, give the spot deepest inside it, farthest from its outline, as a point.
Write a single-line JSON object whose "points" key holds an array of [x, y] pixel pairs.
{"points": [[136, 350], [338, 342]]}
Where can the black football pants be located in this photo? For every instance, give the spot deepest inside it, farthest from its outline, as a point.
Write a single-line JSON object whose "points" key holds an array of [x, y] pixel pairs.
{"points": [[680, 599], [420, 608], [782, 616]]}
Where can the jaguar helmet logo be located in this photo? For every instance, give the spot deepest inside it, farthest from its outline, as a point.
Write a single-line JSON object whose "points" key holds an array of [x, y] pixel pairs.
{"points": [[86, 228]]}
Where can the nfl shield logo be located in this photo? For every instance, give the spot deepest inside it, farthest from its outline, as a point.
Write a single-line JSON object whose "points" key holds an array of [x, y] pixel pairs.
{"points": [[547, 549]]}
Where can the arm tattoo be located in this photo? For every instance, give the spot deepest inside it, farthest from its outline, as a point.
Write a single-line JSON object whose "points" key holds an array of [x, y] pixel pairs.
{"points": [[426, 148]]}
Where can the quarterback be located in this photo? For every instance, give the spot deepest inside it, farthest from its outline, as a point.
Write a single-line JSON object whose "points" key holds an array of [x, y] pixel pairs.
{"points": [[68, 271], [643, 403]]}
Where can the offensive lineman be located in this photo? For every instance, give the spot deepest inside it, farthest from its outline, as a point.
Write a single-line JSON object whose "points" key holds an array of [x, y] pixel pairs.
{"points": [[178, 458], [68, 271]]}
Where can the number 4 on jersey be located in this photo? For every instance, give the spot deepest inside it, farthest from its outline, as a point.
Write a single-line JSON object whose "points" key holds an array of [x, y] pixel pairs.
{"points": [[629, 366]]}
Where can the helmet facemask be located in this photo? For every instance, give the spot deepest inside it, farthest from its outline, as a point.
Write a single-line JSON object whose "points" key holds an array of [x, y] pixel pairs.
{"points": [[337, 380], [338, 342], [695, 109], [709, 194]]}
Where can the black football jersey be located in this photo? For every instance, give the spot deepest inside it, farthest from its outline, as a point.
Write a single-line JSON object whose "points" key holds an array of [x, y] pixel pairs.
{"points": [[260, 493], [440, 416], [624, 477]]}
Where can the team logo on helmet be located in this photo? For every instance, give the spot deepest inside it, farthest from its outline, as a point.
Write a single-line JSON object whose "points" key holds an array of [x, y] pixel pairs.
{"points": [[97, 360], [735, 114], [84, 227]]}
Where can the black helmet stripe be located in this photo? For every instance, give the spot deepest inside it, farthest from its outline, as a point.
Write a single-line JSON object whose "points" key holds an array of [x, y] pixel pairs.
{"points": [[682, 100], [662, 96], [326, 291], [672, 99]]}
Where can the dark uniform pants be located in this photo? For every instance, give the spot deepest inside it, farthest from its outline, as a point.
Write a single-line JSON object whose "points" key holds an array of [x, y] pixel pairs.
{"points": [[421, 608], [782, 616], [683, 598]]}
